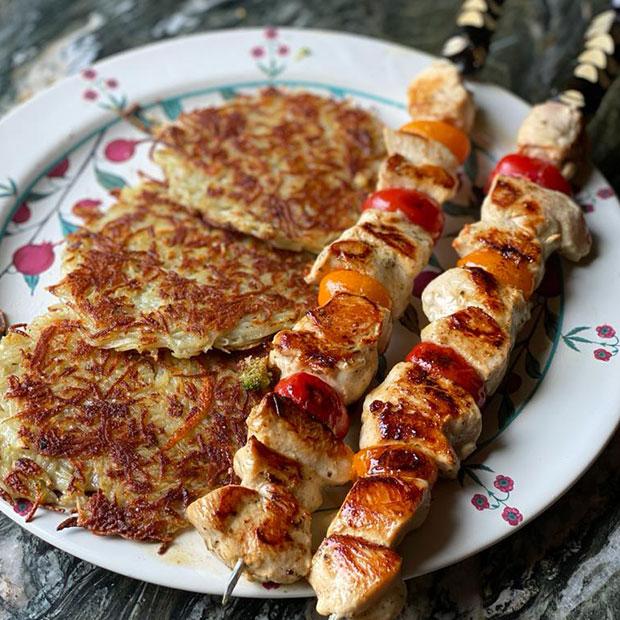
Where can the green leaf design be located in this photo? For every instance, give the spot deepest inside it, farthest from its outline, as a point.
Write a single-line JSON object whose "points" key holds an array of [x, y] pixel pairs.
{"points": [[480, 466], [66, 226], [35, 196], [569, 343], [109, 181], [576, 330], [551, 324], [32, 282], [228, 93], [506, 412], [580, 339], [409, 320], [456, 210], [532, 366], [8, 189], [473, 476], [172, 108]]}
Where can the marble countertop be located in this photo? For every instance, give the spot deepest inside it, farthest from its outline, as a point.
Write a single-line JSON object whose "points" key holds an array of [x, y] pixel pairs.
{"points": [[566, 563]]}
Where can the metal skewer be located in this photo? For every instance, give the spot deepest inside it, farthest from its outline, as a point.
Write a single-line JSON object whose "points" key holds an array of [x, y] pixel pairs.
{"points": [[232, 581], [467, 48]]}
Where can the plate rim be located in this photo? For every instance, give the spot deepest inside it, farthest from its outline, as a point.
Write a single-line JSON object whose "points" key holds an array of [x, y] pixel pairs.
{"points": [[7, 209]]}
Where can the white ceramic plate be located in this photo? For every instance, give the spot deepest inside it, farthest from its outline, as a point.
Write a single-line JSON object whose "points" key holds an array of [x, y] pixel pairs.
{"points": [[561, 400]]}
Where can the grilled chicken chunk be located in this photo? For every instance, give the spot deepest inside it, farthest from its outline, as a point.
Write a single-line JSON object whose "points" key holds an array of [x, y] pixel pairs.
{"points": [[419, 151], [338, 341], [404, 462], [415, 409], [393, 422], [459, 288], [382, 509], [268, 530], [388, 607], [384, 245], [438, 183], [257, 465], [551, 216], [554, 131], [508, 240], [282, 426], [438, 94], [478, 338], [350, 574]]}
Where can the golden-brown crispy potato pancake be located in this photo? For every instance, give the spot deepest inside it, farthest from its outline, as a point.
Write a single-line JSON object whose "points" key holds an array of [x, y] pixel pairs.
{"points": [[151, 274], [288, 167], [127, 439]]}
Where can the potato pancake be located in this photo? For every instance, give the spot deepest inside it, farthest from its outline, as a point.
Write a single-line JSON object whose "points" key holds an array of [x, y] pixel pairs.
{"points": [[126, 439], [288, 167], [151, 274]]}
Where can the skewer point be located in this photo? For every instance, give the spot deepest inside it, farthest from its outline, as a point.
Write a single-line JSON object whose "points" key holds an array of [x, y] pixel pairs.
{"points": [[232, 581]]}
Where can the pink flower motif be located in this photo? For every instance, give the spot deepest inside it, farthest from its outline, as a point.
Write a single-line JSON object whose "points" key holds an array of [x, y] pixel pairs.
{"points": [[283, 50], [605, 331], [479, 502], [86, 208], [22, 214], [111, 83], [34, 258], [90, 95], [89, 74], [59, 170], [258, 52], [602, 355], [605, 192], [120, 150], [271, 33], [22, 506], [422, 280], [504, 483], [512, 515]]}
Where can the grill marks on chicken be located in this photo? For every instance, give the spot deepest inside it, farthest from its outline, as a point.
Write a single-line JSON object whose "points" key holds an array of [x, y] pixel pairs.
{"points": [[417, 422], [477, 316], [552, 218], [287, 461], [437, 182], [463, 287], [339, 342], [269, 530], [349, 574]]}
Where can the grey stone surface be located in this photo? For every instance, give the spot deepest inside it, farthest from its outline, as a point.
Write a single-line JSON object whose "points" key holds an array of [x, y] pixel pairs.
{"points": [[566, 563]]}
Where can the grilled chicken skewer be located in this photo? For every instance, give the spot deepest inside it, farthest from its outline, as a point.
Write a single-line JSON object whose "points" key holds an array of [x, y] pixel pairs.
{"points": [[424, 418], [329, 357]]}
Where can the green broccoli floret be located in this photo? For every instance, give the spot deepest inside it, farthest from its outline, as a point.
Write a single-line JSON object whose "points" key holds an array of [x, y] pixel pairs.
{"points": [[255, 374]]}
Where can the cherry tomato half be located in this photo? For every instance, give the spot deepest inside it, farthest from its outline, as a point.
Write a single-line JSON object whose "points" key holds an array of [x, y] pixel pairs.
{"points": [[536, 170], [511, 273], [317, 399], [446, 362], [419, 208], [355, 283], [394, 459], [450, 136]]}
